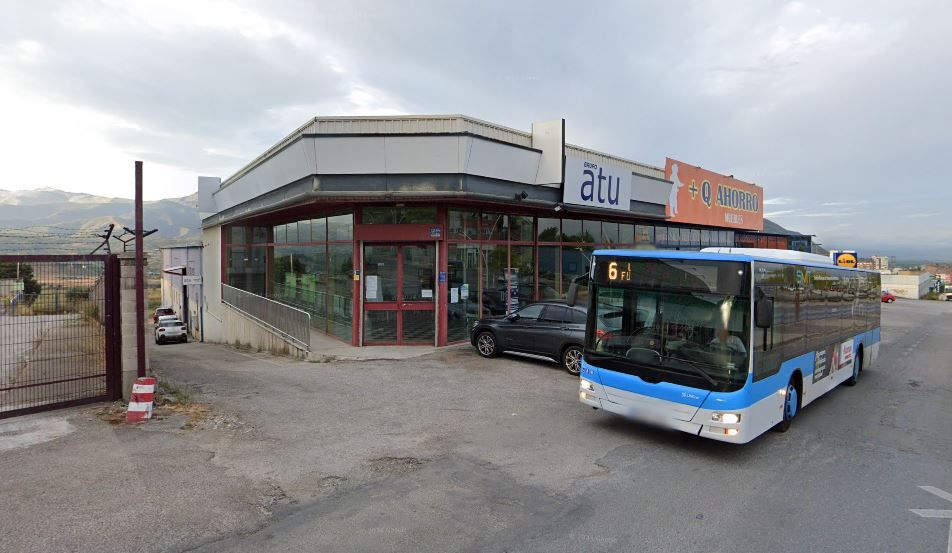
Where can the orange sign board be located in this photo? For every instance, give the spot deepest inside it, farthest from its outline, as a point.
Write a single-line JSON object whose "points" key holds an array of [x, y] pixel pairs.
{"points": [[703, 197]]}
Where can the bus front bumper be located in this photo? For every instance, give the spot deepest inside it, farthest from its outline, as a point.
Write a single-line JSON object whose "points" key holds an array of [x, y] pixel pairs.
{"points": [[659, 412]]}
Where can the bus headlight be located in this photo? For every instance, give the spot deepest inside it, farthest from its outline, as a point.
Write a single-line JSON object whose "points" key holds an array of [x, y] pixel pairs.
{"points": [[586, 385], [729, 418]]}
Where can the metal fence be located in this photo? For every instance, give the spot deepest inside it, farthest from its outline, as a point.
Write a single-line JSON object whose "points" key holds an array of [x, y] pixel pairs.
{"points": [[292, 324], [59, 331]]}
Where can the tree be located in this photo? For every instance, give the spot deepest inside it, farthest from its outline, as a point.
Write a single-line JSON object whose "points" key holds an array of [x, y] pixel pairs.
{"points": [[31, 287]]}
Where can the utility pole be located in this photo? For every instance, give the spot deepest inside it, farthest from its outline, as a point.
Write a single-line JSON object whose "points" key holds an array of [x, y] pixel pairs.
{"points": [[140, 280]]}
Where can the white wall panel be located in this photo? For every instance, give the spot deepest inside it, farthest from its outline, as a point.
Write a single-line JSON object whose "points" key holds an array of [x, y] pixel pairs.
{"points": [[351, 155], [423, 154], [500, 161]]}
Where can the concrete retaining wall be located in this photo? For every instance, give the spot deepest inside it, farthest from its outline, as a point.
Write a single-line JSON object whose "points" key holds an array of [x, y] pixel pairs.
{"points": [[246, 332]]}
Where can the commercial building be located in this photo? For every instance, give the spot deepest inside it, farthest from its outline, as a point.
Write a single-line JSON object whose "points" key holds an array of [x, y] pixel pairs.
{"points": [[182, 285], [910, 285], [405, 230]]}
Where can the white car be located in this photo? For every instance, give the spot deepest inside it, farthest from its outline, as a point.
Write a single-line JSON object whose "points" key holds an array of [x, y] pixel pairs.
{"points": [[166, 318], [170, 330]]}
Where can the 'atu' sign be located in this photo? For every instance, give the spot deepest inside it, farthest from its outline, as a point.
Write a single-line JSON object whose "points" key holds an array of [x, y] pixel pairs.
{"points": [[594, 185]]}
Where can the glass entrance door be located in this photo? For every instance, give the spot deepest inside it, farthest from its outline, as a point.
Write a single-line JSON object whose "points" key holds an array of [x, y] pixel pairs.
{"points": [[399, 294]]}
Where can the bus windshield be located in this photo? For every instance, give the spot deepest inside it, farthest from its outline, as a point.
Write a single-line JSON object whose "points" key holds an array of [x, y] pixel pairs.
{"points": [[677, 320]]}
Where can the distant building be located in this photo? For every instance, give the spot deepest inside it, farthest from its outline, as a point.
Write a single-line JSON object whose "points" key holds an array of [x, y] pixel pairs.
{"points": [[181, 265], [912, 285], [880, 262]]}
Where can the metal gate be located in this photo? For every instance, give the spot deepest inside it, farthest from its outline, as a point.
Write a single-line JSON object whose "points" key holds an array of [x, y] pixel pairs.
{"points": [[59, 331]]}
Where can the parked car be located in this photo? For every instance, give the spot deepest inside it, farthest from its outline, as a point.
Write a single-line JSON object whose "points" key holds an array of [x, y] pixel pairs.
{"points": [[170, 330], [166, 318], [162, 311], [551, 329], [888, 297]]}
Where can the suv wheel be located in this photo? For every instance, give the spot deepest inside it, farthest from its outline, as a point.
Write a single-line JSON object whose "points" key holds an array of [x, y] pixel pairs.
{"points": [[486, 344], [572, 360]]}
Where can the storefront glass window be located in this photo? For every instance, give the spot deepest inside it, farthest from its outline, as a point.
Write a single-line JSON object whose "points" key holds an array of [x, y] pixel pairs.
{"points": [[340, 289], [463, 224], [495, 290], [576, 262], [520, 228], [609, 233], [661, 236], [727, 238], [626, 234], [304, 230], [571, 230], [281, 234], [340, 227], [246, 268], [644, 234], [591, 231], [705, 238], [406, 215], [291, 264], [493, 226], [292, 232], [522, 275], [674, 237], [318, 230], [237, 235], [463, 285], [549, 272], [259, 235], [549, 230], [695, 238]]}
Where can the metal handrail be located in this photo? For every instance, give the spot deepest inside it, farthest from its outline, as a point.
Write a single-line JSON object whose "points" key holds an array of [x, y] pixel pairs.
{"points": [[290, 323]]}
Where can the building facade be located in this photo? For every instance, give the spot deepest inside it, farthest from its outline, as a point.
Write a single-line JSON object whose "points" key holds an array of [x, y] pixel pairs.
{"points": [[182, 285], [405, 230]]}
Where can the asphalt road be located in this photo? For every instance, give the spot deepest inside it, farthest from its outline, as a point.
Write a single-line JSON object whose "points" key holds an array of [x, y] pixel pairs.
{"points": [[450, 452]]}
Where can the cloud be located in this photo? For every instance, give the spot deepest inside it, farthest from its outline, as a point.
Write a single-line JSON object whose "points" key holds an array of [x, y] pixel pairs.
{"points": [[812, 104], [781, 212]]}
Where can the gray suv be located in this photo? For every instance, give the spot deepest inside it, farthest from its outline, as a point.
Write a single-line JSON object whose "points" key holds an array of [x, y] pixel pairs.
{"points": [[550, 329]]}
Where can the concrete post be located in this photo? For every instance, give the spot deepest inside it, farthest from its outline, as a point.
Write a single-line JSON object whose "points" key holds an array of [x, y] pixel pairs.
{"points": [[127, 316]]}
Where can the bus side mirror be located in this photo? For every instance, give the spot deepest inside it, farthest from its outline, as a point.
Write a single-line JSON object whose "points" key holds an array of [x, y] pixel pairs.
{"points": [[572, 294], [763, 313]]}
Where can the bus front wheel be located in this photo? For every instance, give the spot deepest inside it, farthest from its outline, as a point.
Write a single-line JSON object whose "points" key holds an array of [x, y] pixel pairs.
{"points": [[791, 405]]}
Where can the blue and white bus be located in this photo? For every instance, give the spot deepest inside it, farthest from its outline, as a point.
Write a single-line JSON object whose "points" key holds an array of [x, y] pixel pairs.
{"points": [[725, 343]]}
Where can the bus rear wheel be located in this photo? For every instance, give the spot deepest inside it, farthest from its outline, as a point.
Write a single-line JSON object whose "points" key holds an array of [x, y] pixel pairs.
{"points": [[791, 405]]}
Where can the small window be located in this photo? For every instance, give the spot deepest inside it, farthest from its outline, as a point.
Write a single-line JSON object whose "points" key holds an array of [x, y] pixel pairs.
{"points": [[531, 311]]}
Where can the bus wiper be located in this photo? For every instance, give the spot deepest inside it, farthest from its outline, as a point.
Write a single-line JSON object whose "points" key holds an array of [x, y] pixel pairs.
{"points": [[697, 368]]}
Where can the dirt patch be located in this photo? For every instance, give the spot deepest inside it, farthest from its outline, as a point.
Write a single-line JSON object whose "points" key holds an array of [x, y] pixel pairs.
{"points": [[397, 465]]}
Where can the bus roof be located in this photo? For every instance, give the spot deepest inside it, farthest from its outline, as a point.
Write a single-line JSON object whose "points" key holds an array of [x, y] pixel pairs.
{"points": [[734, 254]]}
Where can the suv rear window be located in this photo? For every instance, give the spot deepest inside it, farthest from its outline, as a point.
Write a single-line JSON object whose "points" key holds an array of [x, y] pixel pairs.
{"points": [[164, 311], [166, 324]]}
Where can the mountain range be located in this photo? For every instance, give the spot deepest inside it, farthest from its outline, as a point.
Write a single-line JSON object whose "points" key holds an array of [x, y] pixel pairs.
{"points": [[47, 220]]}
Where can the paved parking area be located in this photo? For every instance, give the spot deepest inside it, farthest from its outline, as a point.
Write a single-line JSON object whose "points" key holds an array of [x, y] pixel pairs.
{"points": [[451, 452]]}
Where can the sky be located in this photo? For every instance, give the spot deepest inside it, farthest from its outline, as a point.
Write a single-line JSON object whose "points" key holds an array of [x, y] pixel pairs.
{"points": [[840, 109]]}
